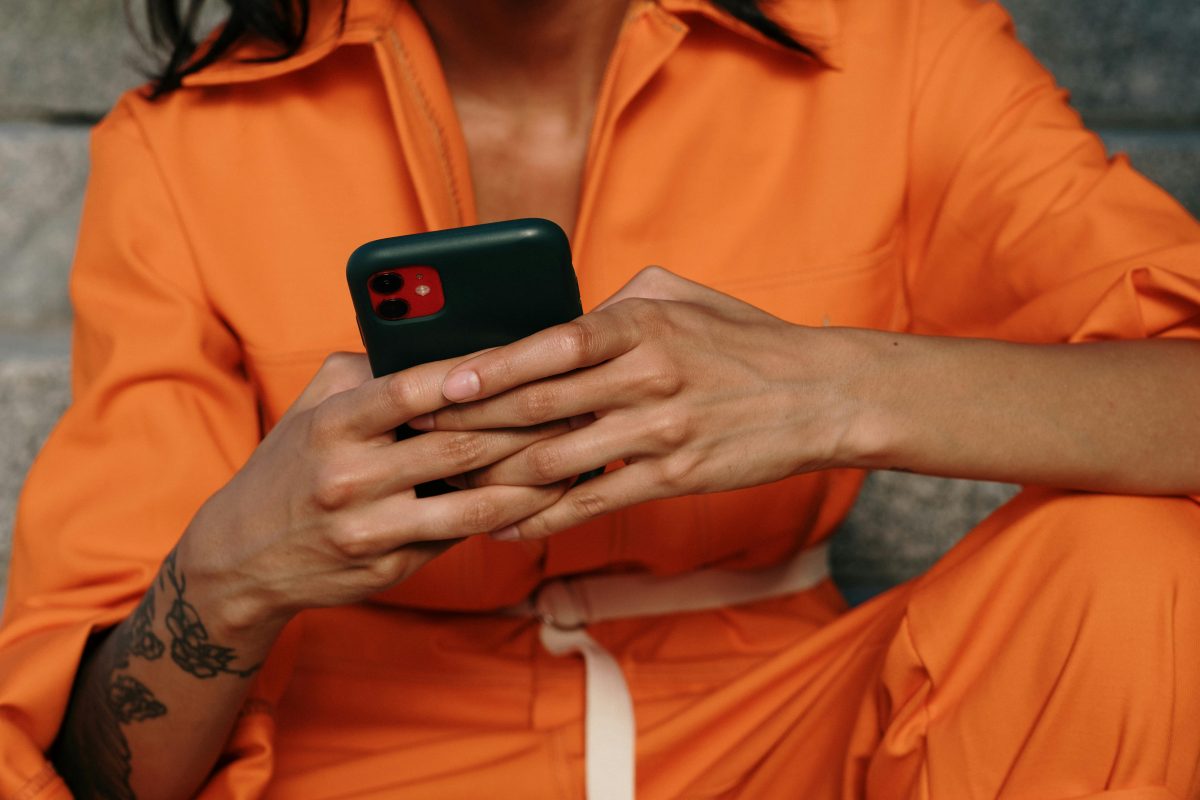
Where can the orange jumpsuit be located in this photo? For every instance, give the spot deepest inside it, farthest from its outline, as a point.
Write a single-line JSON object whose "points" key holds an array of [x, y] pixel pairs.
{"points": [[922, 174]]}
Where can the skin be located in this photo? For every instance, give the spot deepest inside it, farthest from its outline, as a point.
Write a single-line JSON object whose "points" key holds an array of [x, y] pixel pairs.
{"points": [[693, 390], [524, 76]]}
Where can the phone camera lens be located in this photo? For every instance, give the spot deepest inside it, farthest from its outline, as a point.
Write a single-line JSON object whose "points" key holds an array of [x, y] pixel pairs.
{"points": [[387, 283], [394, 308]]}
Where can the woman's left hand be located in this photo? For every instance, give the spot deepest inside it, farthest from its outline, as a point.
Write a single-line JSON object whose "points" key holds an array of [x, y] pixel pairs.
{"points": [[695, 391]]}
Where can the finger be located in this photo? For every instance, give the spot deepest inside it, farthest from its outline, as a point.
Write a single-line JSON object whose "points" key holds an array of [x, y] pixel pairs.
{"points": [[398, 466], [439, 455], [583, 342], [562, 457], [399, 521], [575, 395], [600, 388], [382, 404], [610, 492], [480, 477]]}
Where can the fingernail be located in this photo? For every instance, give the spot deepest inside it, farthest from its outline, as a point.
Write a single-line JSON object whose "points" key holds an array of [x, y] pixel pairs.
{"points": [[461, 386], [422, 423], [509, 534]]}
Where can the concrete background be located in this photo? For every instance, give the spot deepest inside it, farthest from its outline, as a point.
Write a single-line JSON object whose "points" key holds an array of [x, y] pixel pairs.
{"points": [[1133, 68]]}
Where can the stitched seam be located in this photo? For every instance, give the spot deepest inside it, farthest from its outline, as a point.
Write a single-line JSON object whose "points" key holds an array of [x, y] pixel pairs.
{"points": [[849, 268], [406, 69]]}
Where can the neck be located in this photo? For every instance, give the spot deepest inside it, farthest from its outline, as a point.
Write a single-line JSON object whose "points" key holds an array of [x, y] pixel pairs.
{"points": [[525, 52]]}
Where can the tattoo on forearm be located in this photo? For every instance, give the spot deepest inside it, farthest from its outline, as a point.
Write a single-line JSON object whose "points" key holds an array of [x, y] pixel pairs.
{"points": [[131, 701], [190, 648], [142, 639], [92, 753]]}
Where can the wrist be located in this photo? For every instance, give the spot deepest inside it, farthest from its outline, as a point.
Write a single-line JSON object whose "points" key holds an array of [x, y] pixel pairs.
{"points": [[860, 366], [234, 609]]}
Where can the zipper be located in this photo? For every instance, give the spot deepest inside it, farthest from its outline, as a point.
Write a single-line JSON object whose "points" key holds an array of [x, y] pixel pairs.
{"points": [[423, 113]]}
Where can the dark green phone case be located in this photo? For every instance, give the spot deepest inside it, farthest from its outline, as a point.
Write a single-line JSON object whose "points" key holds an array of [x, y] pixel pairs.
{"points": [[502, 281]]}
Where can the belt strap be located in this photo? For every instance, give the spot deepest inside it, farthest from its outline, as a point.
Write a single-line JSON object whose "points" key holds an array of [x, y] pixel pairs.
{"points": [[608, 731], [565, 606]]}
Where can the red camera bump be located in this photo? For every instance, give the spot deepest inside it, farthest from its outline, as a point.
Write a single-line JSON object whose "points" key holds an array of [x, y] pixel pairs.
{"points": [[419, 287]]}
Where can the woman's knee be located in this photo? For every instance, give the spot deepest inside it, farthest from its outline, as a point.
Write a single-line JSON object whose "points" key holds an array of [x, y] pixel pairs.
{"points": [[1064, 627], [1104, 540], [1101, 568]]}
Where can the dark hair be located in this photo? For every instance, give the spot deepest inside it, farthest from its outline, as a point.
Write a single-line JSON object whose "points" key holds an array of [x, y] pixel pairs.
{"points": [[284, 24]]}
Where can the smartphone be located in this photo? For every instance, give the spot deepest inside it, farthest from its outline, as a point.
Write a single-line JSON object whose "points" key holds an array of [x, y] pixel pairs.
{"points": [[431, 296]]}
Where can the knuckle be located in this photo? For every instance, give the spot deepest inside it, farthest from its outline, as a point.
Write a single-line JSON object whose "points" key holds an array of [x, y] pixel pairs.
{"points": [[351, 541], [399, 392], [545, 463], [580, 339], [463, 450], [663, 383], [386, 570], [586, 504], [338, 363], [481, 514], [536, 404], [333, 489], [672, 429], [677, 473], [650, 274]]}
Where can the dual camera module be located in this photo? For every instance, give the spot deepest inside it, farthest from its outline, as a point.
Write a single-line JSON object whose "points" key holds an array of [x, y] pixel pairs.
{"points": [[385, 284], [406, 292]]}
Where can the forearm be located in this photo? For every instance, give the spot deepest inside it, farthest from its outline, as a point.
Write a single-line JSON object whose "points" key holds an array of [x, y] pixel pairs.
{"points": [[1113, 416], [156, 698]]}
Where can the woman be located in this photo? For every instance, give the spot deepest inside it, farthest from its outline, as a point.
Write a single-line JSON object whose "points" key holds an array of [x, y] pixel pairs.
{"points": [[888, 176]]}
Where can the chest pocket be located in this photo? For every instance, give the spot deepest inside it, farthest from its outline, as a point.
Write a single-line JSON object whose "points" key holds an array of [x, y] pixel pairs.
{"points": [[862, 291]]}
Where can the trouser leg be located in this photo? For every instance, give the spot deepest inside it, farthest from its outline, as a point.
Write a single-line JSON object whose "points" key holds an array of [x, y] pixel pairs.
{"points": [[1054, 653]]}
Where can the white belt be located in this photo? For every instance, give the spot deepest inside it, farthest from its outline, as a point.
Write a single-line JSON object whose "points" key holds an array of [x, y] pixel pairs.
{"points": [[567, 605]]}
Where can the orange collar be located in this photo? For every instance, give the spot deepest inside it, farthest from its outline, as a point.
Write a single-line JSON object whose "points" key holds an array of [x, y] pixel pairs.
{"points": [[812, 22]]}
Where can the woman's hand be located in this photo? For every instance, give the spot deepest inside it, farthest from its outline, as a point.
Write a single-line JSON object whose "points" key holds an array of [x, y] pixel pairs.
{"points": [[324, 513], [695, 391]]}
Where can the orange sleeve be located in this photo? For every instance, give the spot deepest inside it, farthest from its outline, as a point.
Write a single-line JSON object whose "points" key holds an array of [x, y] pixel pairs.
{"points": [[162, 416], [1021, 228]]}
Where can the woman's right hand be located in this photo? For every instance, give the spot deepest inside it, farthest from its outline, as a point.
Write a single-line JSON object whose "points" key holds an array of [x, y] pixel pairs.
{"points": [[324, 513]]}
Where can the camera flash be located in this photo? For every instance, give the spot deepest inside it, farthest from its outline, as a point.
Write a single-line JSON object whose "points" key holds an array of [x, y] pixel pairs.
{"points": [[422, 290]]}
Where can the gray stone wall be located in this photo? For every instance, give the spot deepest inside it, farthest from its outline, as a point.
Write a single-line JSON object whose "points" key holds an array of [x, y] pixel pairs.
{"points": [[1132, 68]]}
